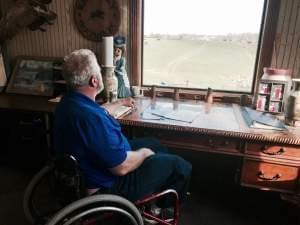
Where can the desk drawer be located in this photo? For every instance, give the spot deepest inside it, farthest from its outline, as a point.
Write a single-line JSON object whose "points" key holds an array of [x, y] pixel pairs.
{"points": [[274, 151], [269, 176], [196, 142]]}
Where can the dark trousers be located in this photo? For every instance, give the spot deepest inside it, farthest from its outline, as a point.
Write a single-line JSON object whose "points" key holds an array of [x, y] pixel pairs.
{"points": [[157, 173]]}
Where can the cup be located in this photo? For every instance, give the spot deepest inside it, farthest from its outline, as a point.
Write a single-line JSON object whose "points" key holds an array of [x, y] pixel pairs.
{"points": [[244, 101], [137, 91], [113, 96]]}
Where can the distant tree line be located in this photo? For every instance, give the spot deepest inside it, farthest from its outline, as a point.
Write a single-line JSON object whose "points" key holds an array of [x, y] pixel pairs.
{"points": [[243, 37]]}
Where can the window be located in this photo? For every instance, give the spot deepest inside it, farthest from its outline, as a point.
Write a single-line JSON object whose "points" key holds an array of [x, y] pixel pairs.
{"points": [[196, 44]]}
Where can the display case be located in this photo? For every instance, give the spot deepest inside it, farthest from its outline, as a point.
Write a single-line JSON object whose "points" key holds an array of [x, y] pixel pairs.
{"points": [[272, 95]]}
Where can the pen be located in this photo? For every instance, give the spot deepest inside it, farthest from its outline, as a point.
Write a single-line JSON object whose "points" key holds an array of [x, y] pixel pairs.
{"points": [[152, 118]]}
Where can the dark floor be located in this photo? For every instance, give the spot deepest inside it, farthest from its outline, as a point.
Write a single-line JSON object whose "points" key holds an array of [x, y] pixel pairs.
{"points": [[13, 183], [239, 206], [227, 205]]}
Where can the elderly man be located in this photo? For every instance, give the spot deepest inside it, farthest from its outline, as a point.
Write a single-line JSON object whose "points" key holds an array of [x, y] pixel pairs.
{"points": [[107, 160]]}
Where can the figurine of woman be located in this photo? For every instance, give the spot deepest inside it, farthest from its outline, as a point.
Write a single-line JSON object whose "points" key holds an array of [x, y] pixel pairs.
{"points": [[120, 67]]}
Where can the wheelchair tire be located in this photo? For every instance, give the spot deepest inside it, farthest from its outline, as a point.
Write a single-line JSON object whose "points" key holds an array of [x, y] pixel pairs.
{"points": [[106, 202], [35, 218], [30, 213]]}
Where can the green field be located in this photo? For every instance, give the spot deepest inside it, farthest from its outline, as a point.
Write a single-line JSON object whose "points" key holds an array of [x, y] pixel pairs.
{"points": [[219, 64]]}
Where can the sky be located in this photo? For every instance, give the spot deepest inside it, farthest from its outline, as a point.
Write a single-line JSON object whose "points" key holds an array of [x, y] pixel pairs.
{"points": [[204, 17]]}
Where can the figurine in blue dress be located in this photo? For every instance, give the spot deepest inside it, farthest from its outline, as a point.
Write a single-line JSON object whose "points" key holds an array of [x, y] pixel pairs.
{"points": [[120, 67]]}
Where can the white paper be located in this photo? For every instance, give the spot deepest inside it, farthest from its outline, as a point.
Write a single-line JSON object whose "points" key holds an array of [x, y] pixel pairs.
{"points": [[180, 115], [121, 110], [183, 113], [108, 51]]}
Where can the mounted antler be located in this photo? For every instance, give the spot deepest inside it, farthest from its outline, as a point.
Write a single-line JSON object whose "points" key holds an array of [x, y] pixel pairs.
{"points": [[26, 13]]}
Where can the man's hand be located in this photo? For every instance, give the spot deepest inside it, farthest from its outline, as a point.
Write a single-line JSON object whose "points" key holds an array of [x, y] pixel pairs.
{"points": [[128, 102], [133, 160], [147, 152], [111, 107]]}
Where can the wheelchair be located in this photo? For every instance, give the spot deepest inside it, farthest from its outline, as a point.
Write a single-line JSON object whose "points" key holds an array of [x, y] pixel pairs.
{"points": [[56, 195]]}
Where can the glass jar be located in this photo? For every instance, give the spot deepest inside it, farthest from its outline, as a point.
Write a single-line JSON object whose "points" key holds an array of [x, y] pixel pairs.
{"points": [[292, 112]]}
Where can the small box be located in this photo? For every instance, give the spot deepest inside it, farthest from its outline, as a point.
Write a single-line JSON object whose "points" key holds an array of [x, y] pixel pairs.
{"points": [[261, 103], [264, 88], [274, 106], [277, 91]]}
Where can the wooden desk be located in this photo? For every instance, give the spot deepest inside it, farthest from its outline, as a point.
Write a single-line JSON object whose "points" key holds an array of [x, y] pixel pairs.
{"points": [[270, 159], [25, 133]]}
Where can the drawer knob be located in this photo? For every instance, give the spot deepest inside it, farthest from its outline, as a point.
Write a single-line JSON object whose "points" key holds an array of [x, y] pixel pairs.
{"points": [[261, 175], [279, 152]]}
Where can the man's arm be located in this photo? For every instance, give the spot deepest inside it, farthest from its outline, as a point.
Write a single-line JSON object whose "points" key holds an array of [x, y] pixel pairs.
{"points": [[133, 160], [111, 107]]}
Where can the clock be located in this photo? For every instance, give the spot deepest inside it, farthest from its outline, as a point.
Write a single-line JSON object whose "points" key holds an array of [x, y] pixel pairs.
{"points": [[97, 18]]}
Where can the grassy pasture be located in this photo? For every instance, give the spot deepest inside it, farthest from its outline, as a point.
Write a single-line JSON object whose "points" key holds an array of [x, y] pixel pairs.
{"points": [[219, 64]]}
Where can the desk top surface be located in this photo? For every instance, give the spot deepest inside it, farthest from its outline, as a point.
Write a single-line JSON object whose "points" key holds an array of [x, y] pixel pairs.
{"points": [[219, 119]]}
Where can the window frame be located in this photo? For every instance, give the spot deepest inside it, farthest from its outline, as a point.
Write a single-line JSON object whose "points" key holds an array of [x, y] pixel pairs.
{"points": [[263, 57]]}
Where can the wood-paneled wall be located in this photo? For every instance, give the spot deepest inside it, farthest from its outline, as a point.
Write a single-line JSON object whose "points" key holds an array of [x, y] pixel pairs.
{"points": [[286, 50], [61, 38]]}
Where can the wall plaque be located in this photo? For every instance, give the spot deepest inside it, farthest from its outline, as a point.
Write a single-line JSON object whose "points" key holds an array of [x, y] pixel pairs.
{"points": [[97, 18]]}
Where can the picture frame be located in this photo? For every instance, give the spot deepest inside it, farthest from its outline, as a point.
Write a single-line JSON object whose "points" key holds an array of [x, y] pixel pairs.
{"points": [[3, 76], [35, 75]]}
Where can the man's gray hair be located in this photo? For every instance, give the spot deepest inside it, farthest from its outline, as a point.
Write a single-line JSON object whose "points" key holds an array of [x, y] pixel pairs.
{"points": [[79, 66]]}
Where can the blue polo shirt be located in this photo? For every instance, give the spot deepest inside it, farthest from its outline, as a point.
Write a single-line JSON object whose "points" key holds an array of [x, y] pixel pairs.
{"points": [[85, 130]]}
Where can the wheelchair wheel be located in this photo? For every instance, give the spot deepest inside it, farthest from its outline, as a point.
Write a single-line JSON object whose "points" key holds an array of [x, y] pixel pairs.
{"points": [[32, 210], [42, 207], [97, 210]]}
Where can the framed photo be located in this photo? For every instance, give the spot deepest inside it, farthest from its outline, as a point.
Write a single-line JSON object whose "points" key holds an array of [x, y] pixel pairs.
{"points": [[35, 76], [3, 78]]}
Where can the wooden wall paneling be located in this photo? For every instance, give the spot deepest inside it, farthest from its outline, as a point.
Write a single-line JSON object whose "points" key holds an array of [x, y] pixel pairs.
{"points": [[279, 28], [283, 32], [67, 21], [290, 34], [29, 45], [77, 37], [40, 41], [37, 43], [286, 51], [71, 35], [295, 43], [52, 32], [63, 27]]}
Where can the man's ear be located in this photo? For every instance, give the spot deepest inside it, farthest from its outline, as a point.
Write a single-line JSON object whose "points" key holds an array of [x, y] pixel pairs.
{"points": [[93, 82]]}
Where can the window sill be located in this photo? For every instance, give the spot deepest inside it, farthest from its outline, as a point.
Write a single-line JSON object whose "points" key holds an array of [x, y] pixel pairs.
{"points": [[197, 95]]}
